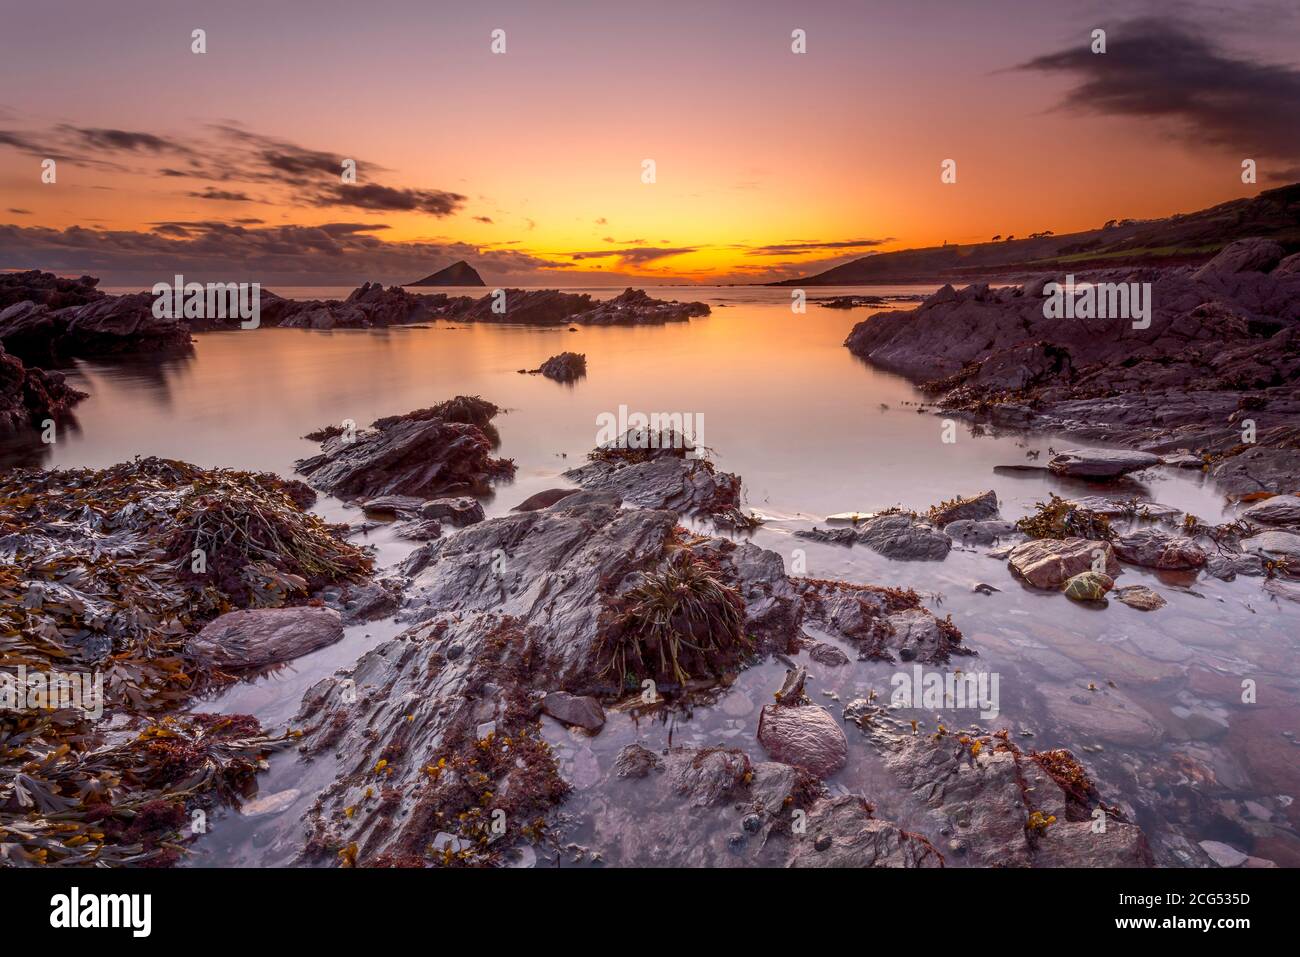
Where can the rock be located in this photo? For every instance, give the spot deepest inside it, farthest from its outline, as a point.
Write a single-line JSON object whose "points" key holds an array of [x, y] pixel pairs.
{"points": [[566, 367], [666, 479], [1101, 463], [1274, 545], [1112, 508], [635, 761], [459, 511], [1152, 548], [271, 804], [46, 289], [1140, 597], [543, 499], [1227, 566], [1278, 510], [102, 326], [903, 537], [421, 530], [363, 602], [1088, 586], [841, 832], [459, 273], [804, 736], [256, 638], [583, 711], [1049, 563], [978, 508], [827, 654], [409, 457], [1245, 255], [1105, 713], [966, 532], [1225, 855], [1258, 469], [1283, 589], [403, 505], [28, 397]]}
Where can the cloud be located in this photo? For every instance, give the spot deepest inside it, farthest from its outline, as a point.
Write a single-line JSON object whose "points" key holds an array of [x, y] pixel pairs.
{"points": [[328, 254], [20, 212], [483, 219], [123, 140], [223, 196], [636, 256], [435, 202], [1156, 69], [803, 246]]}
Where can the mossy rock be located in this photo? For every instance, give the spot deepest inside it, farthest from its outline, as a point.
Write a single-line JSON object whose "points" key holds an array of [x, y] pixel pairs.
{"points": [[1089, 586]]}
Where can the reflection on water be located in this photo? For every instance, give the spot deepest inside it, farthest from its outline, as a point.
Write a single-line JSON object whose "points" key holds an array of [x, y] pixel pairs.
{"points": [[812, 430]]}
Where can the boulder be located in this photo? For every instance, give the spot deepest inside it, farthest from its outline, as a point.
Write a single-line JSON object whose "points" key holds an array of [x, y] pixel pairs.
{"points": [[1245, 255], [1050, 563], [1088, 586], [404, 506], [256, 638], [1276, 544], [977, 508], [904, 537], [804, 736], [1140, 597]]}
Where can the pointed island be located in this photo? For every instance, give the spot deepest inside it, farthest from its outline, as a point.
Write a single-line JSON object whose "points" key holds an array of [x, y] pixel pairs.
{"points": [[457, 274]]}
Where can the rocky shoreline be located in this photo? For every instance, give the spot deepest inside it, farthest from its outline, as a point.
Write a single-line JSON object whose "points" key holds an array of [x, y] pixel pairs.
{"points": [[1210, 383]]}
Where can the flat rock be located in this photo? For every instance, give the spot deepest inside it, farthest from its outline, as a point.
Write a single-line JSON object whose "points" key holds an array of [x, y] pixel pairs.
{"points": [[259, 637], [1274, 544], [1225, 855], [403, 505], [1227, 566], [1278, 510], [1140, 597], [582, 711], [1050, 563], [970, 532], [827, 654], [1101, 463], [905, 538], [977, 508]]}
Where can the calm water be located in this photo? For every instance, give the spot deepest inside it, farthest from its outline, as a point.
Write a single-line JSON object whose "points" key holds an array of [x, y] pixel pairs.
{"points": [[813, 431]]}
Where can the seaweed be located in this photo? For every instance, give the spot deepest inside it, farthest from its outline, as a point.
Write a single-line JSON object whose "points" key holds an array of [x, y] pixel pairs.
{"points": [[1057, 518]]}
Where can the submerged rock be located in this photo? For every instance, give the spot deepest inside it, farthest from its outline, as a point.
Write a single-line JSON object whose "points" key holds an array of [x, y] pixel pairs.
{"points": [[241, 640], [582, 711], [1101, 463], [1140, 597]]}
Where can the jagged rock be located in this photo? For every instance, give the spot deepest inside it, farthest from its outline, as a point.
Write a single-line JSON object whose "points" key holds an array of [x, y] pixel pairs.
{"points": [[543, 499], [897, 535], [977, 508], [667, 478], [635, 761], [1152, 548], [1112, 508], [635, 307], [362, 602], [240, 640], [421, 530], [401, 505], [1278, 510], [1245, 255], [1258, 470], [842, 832], [107, 326], [1140, 597], [1049, 563], [1224, 855], [46, 289], [409, 457], [881, 622], [459, 511], [566, 367], [582, 711], [1101, 464], [1283, 589], [28, 397]]}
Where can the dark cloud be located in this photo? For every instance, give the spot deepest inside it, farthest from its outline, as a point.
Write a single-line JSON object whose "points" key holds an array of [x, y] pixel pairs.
{"points": [[800, 246], [638, 255], [223, 195], [123, 140], [483, 219], [20, 212], [435, 202], [1157, 69]]}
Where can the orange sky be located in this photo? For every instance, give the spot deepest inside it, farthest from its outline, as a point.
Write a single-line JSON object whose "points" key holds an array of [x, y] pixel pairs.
{"points": [[537, 153]]}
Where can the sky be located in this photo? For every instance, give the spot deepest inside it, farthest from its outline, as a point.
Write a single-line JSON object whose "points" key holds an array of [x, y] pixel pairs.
{"points": [[530, 164]]}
